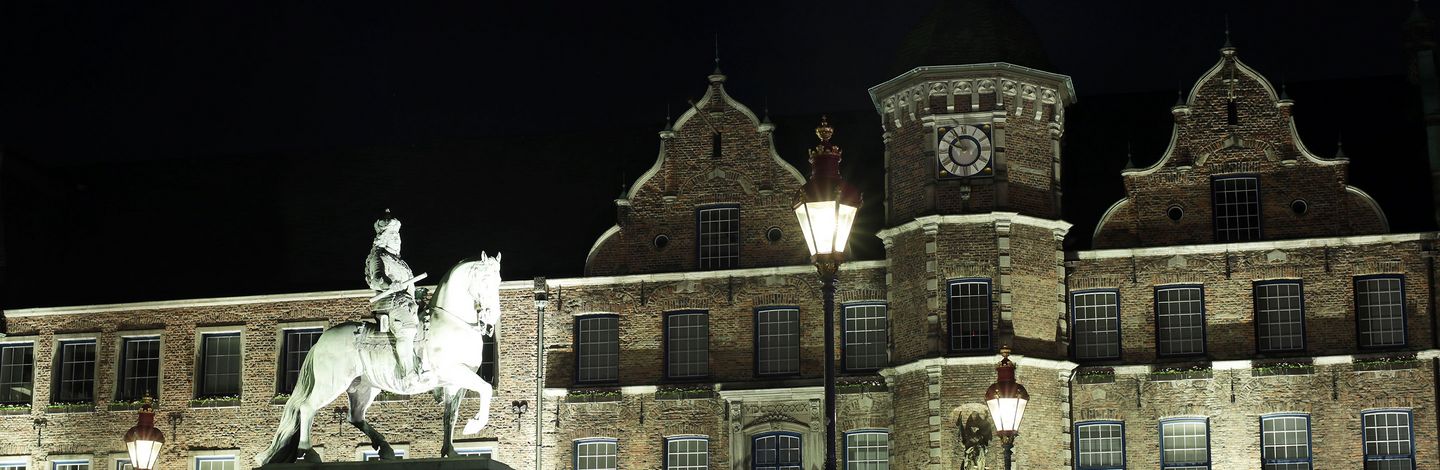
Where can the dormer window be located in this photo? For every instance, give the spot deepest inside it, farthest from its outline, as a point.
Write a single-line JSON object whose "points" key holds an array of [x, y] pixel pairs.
{"points": [[718, 233], [1237, 208]]}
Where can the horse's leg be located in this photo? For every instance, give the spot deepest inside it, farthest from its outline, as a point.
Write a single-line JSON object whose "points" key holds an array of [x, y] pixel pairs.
{"points": [[451, 399], [322, 393], [361, 396], [461, 376]]}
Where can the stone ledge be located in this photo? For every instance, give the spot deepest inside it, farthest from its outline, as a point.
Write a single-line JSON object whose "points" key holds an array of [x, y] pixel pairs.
{"points": [[457, 463]]}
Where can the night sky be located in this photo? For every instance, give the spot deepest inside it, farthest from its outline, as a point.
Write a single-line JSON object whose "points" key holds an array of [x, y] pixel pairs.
{"points": [[175, 144]]}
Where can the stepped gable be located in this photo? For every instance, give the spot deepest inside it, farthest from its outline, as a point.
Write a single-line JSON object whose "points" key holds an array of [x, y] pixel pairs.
{"points": [[971, 32], [1235, 125], [657, 224]]}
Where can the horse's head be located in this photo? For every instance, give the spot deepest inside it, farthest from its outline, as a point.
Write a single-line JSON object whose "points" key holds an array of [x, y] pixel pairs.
{"points": [[484, 288]]}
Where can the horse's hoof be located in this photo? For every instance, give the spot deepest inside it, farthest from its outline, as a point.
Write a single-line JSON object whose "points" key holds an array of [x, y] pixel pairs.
{"points": [[386, 453], [311, 456], [473, 426], [449, 452]]}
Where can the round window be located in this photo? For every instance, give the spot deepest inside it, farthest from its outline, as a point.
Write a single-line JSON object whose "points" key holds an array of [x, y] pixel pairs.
{"points": [[1175, 213], [1299, 207], [774, 234], [661, 241]]}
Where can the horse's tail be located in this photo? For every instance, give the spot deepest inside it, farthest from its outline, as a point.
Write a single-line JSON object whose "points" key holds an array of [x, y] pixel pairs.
{"points": [[287, 436]]}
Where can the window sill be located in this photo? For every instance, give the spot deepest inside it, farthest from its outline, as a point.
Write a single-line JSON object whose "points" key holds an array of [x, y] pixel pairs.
{"points": [[15, 411], [279, 399], [70, 408]]}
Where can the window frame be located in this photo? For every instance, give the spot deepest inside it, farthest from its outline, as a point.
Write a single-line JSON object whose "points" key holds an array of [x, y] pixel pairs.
{"points": [[700, 236], [1255, 298], [575, 449], [227, 331], [989, 316], [282, 349], [1410, 420], [57, 372], [845, 330], [1404, 312], [1209, 452], [665, 338], [755, 341], [576, 345], [1076, 443], [56, 463], [196, 460], [1155, 302], [1119, 328], [754, 465], [845, 445], [1309, 440], [1259, 207], [665, 446], [15, 342], [125, 337], [15, 462]]}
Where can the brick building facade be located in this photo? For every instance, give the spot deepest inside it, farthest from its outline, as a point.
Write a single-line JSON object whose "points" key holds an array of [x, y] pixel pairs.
{"points": [[1242, 308]]}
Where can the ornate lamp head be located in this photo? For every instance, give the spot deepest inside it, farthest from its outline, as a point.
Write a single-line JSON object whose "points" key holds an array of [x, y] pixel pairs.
{"points": [[1006, 399]]}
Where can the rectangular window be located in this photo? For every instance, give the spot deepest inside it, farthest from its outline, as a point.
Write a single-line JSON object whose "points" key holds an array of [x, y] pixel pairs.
{"points": [[719, 233], [76, 381], [71, 465], [596, 455], [1389, 441], [687, 344], [969, 310], [123, 464], [297, 343], [776, 451], [1237, 208], [597, 348], [1180, 320], [139, 368], [17, 373], [1099, 446], [1279, 316], [777, 341], [1380, 311], [687, 453], [865, 337], [219, 365], [486, 452], [215, 463], [373, 456], [1185, 444], [12, 465], [1285, 442], [867, 450], [1096, 324]]}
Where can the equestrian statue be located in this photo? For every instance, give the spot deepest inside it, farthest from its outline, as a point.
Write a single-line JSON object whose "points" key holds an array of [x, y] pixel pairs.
{"points": [[410, 349]]}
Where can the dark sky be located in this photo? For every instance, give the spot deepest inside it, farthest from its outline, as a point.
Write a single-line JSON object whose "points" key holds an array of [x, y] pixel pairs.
{"points": [[236, 149]]}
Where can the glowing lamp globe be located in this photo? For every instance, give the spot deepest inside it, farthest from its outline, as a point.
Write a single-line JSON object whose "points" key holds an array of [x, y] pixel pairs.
{"points": [[826, 205], [144, 440], [1006, 398]]}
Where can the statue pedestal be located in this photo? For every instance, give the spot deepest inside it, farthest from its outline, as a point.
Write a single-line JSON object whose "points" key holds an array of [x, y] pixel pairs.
{"points": [[458, 463]]}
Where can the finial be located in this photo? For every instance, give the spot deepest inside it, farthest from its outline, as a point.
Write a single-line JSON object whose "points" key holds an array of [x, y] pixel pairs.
{"points": [[1179, 93], [717, 54], [669, 124], [1228, 48], [824, 131], [1339, 146], [1284, 92], [1005, 351], [766, 119], [1129, 160]]}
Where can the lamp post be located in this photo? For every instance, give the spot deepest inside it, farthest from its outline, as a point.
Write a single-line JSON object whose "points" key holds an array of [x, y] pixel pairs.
{"points": [[143, 441], [1006, 399], [826, 207]]}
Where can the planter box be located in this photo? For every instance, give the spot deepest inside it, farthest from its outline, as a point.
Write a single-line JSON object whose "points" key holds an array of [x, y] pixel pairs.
{"points": [[123, 406], [15, 411], [279, 400], [1387, 365], [75, 408], [1183, 375], [1263, 371], [214, 403]]}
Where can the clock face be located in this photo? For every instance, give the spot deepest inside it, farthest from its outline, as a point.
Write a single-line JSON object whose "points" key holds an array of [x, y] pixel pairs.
{"points": [[963, 151]]}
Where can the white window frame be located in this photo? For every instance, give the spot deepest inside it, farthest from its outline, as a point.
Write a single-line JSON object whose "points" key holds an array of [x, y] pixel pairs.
{"points": [[1075, 322], [1362, 316], [1286, 463], [761, 348], [15, 462], [731, 258], [866, 464], [56, 460], [1120, 425], [199, 373], [955, 293], [228, 455], [1170, 323], [1262, 292], [604, 373], [862, 336], [122, 337], [800, 447], [1187, 465], [13, 341], [58, 358], [1410, 436], [698, 369], [1234, 233], [686, 438], [284, 329], [575, 451], [472, 448]]}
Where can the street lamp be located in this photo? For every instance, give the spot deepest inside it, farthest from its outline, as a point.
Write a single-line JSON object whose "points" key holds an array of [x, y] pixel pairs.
{"points": [[826, 208], [144, 440], [1006, 399]]}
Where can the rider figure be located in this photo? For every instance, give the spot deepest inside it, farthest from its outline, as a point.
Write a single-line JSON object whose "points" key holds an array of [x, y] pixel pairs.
{"points": [[394, 283]]}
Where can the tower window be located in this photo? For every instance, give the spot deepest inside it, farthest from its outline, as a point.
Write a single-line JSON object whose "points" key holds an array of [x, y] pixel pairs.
{"points": [[1237, 208], [719, 237], [715, 145], [970, 316], [1232, 113]]}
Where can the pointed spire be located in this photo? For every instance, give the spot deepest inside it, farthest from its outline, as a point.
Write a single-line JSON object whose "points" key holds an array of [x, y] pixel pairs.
{"points": [[766, 119], [1129, 159], [717, 55], [1228, 48], [1179, 93], [1284, 92], [1339, 146], [669, 124]]}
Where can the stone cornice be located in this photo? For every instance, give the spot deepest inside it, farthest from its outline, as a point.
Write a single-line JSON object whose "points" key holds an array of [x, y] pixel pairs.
{"points": [[982, 218], [1255, 246]]}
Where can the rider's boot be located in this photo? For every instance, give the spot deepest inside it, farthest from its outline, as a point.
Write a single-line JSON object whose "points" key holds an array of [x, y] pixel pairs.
{"points": [[414, 377]]}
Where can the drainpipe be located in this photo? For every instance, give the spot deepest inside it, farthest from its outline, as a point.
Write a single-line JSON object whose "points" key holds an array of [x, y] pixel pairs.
{"points": [[542, 300]]}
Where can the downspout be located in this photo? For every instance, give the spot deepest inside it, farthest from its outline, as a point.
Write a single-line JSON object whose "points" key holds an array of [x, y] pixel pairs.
{"points": [[542, 300]]}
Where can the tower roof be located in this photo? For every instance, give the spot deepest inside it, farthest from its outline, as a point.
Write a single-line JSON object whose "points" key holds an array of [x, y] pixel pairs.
{"points": [[971, 32]]}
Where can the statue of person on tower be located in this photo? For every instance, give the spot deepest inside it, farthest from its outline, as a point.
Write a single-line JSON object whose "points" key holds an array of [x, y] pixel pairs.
{"points": [[394, 305]]}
